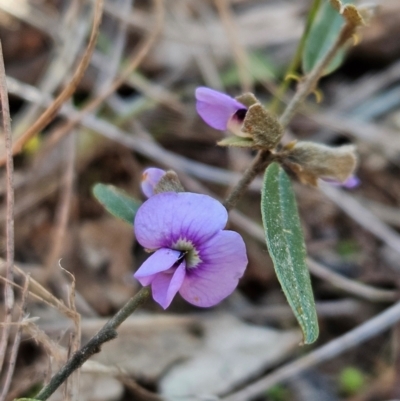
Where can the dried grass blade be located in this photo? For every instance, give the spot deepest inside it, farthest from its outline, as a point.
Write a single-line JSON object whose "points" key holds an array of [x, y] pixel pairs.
{"points": [[8, 289]]}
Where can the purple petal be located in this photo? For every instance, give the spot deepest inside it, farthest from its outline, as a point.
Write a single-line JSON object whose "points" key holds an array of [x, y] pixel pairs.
{"points": [[350, 183], [224, 262], [165, 285], [167, 217], [150, 179], [216, 108], [159, 261]]}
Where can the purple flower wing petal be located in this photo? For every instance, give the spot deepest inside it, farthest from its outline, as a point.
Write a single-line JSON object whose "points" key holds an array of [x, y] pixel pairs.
{"points": [[167, 217], [159, 261], [224, 262], [216, 108], [352, 182], [150, 179], [165, 285]]}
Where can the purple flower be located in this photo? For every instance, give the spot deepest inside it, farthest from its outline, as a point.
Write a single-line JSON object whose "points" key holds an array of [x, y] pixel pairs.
{"points": [[218, 109], [350, 183], [193, 254], [150, 179]]}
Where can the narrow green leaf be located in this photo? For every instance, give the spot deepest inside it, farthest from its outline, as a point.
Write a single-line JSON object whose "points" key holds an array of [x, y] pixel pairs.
{"points": [[286, 246], [116, 202], [323, 33]]}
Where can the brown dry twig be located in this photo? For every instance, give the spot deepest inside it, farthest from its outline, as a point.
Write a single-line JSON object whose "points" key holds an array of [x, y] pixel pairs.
{"points": [[67, 92], [17, 340], [8, 290], [64, 206], [76, 335], [39, 292]]}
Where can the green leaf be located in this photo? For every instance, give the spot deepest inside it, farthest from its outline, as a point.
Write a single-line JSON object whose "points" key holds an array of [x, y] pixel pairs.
{"points": [[116, 202], [323, 33], [286, 247]]}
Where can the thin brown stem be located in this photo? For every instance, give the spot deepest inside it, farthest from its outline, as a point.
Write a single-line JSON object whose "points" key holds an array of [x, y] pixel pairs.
{"points": [[8, 289], [64, 206], [255, 167], [17, 341]]}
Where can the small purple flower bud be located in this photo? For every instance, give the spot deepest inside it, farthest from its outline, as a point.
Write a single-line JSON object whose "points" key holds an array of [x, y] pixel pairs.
{"points": [[217, 109], [150, 179], [193, 255], [350, 183]]}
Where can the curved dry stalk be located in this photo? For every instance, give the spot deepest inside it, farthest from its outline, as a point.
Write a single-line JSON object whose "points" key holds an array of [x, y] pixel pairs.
{"points": [[8, 289], [17, 340], [64, 207], [67, 92], [39, 292]]}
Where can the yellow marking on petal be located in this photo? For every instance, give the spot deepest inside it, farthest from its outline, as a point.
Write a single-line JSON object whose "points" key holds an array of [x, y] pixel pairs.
{"points": [[192, 257]]}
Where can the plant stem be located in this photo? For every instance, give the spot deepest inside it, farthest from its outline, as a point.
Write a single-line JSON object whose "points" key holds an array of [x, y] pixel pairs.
{"points": [[307, 86], [255, 167], [106, 333]]}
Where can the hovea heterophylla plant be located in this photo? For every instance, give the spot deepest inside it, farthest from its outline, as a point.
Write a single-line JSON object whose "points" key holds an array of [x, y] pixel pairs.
{"points": [[179, 259]]}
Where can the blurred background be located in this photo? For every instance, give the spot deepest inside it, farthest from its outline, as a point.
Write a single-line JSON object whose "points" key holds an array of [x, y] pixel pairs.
{"points": [[135, 108]]}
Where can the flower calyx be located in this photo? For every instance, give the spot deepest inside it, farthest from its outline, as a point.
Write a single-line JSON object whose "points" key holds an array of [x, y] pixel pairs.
{"points": [[310, 161], [260, 129], [263, 127], [155, 181], [252, 125], [169, 182]]}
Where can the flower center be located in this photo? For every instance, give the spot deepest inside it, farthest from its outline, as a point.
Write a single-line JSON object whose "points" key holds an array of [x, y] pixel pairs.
{"points": [[240, 114], [191, 254]]}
